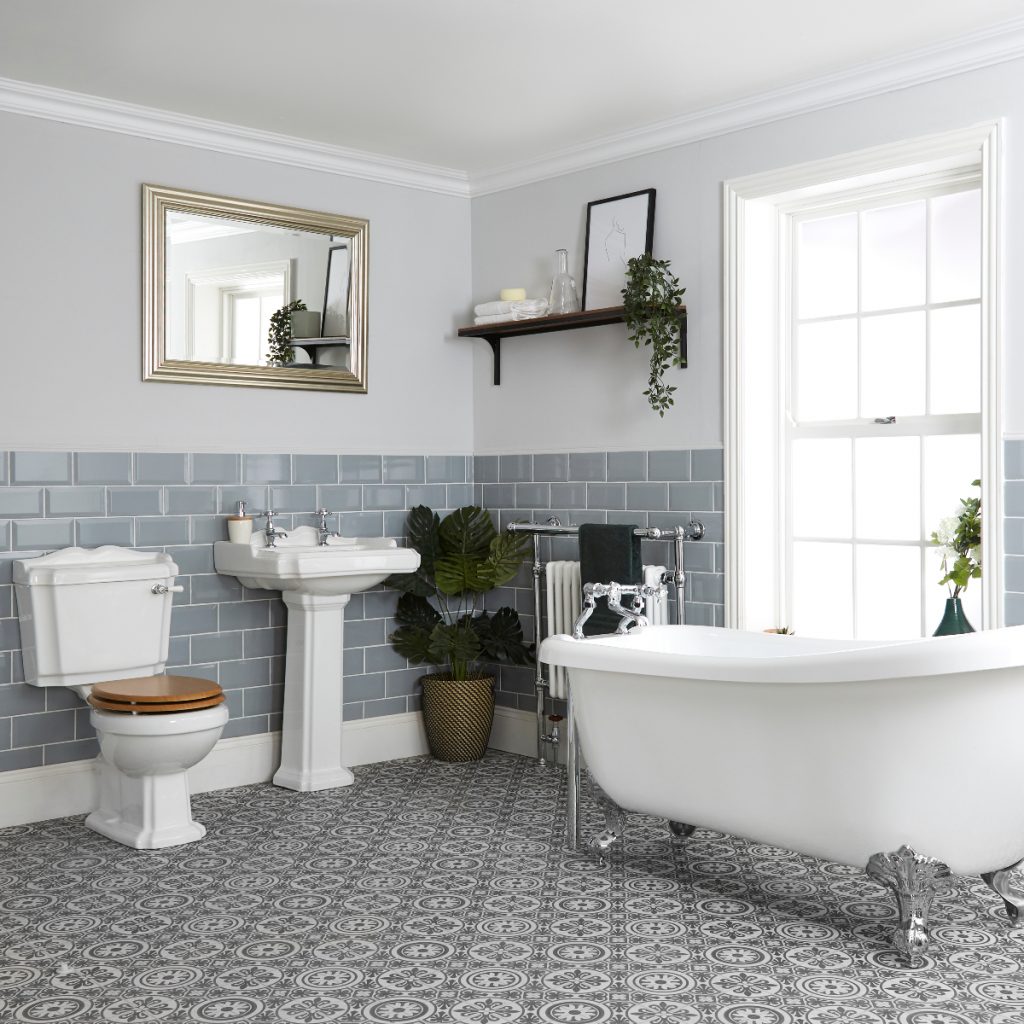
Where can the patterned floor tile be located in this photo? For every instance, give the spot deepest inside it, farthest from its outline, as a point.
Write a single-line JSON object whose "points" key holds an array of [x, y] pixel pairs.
{"points": [[430, 892]]}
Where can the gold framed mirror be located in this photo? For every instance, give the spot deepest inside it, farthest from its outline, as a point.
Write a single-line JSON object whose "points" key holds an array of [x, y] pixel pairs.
{"points": [[216, 271]]}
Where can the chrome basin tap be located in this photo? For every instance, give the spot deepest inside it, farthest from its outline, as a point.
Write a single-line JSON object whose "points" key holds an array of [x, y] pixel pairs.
{"points": [[322, 533], [272, 531]]}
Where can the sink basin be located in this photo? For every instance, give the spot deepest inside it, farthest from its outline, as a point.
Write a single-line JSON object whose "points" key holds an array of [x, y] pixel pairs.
{"points": [[347, 565], [316, 584]]}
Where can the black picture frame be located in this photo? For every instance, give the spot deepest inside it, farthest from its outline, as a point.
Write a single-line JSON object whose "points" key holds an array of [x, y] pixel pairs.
{"points": [[615, 227], [334, 323]]}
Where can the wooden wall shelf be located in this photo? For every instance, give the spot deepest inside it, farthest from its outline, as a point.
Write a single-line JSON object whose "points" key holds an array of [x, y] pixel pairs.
{"points": [[494, 333]]}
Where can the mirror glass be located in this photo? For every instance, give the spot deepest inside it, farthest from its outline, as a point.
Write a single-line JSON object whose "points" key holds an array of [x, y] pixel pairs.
{"points": [[217, 270]]}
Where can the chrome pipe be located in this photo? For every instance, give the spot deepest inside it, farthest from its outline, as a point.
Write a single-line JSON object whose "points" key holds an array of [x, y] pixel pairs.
{"points": [[572, 771], [540, 685]]}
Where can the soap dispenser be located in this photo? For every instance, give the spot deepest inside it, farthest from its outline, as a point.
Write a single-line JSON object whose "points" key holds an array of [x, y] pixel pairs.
{"points": [[240, 526]]}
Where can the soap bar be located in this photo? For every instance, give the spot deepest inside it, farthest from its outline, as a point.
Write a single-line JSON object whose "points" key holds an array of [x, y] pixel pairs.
{"points": [[512, 294]]}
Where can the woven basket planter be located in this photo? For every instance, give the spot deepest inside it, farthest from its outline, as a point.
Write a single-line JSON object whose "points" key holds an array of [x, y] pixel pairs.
{"points": [[457, 714]]}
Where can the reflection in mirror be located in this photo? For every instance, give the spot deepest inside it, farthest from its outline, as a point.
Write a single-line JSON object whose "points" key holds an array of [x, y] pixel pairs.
{"points": [[218, 269]]}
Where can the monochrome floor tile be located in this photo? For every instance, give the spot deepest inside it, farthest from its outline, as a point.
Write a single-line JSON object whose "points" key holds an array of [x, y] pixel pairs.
{"points": [[431, 892]]}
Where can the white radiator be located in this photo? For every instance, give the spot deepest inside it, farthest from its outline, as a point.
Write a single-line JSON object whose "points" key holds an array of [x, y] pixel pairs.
{"points": [[565, 602]]}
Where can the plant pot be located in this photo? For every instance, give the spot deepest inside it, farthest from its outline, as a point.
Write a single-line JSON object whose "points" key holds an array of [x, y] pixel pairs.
{"points": [[457, 714], [953, 619]]}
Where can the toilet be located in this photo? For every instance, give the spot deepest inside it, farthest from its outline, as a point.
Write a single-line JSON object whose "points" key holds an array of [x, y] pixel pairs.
{"points": [[98, 621]]}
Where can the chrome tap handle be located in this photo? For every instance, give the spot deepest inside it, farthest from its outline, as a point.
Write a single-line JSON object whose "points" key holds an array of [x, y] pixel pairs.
{"points": [[615, 593], [321, 527], [272, 531]]}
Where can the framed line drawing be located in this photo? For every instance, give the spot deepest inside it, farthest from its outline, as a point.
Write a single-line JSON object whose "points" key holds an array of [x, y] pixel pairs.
{"points": [[335, 319], [618, 229]]}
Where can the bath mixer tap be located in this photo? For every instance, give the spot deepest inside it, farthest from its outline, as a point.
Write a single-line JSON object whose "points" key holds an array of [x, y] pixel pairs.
{"points": [[322, 533], [272, 531], [615, 592]]}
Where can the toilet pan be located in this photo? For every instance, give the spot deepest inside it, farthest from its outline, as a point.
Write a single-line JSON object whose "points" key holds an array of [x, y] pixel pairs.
{"points": [[98, 622], [150, 732]]}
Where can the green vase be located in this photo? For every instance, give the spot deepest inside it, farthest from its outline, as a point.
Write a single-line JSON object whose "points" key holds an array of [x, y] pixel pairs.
{"points": [[953, 619]]}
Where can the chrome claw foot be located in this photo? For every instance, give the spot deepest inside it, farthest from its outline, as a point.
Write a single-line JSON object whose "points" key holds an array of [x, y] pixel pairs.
{"points": [[1013, 899], [614, 819], [679, 828], [602, 843], [915, 880]]}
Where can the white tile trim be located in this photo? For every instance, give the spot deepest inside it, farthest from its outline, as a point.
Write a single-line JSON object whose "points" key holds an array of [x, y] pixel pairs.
{"points": [[59, 790]]}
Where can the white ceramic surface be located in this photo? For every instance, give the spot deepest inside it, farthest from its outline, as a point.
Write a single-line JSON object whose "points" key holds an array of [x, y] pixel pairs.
{"points": [[345, 566], [92, 615], [836, 749], [316, 583]]}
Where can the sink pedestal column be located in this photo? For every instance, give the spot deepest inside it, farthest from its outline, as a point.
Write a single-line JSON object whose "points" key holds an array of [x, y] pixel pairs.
{"points": [[311, 731]]}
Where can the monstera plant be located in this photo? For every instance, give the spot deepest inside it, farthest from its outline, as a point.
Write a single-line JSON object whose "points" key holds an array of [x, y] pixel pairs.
{"points": [[441, 622]]}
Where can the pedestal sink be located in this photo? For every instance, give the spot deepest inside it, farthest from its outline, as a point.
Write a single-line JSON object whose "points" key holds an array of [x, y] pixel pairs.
{"points": [[316, 582]]}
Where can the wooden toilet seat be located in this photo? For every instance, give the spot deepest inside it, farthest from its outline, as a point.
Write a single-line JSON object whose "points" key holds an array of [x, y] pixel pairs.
{"points": [[156, 695]]}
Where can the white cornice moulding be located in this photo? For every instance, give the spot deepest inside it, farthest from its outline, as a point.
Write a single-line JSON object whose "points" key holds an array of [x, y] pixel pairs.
{"points": [[994, 45], [165, 126], [984, 48]]}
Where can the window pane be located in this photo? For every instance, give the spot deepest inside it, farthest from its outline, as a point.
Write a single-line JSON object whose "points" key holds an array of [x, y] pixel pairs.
{"points": [[951, 462], [956, 246], [827, 266], [888, 498], [892, 256], [892, 352], [954, 360], [822, 488], [826, 371], [822, 589], [888, 592]]}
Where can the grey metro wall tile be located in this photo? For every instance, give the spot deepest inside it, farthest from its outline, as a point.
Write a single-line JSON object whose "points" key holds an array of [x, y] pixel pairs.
{"points": [[551, 467], [363, 469], [45, 534], [446, 469], [485, 469], [40, 467], [708, 464], [21, 502], [161, 468], [159, 530], [103, 467], [76, 501], [136, 501], [515, 468], [404, 469], [315, 469], [627, 465], [216, 468], [267, 469], [588, 466], [93, 533], [185, 501]]}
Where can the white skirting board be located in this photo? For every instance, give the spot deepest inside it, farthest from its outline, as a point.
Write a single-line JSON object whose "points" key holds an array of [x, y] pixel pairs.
{"points": [[60, 790]]}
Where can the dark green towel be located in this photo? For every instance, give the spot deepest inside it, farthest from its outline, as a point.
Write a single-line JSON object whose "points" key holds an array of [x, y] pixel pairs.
{"points": [[608, 554]]}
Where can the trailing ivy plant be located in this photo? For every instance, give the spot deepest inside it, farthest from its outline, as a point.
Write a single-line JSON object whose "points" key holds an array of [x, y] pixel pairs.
{"points": [[651, 298], [439, 615], [280, 351]]}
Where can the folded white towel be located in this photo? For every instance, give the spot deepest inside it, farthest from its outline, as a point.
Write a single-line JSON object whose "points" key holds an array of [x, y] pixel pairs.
{"points": [[498, 318], [492, 308]]}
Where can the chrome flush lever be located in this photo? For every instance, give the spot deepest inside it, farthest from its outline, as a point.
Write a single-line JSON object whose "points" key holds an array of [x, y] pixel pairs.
{"points": [[162, 588]]}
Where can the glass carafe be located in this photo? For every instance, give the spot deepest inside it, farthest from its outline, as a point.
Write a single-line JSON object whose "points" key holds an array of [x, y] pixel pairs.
{"points": [[563, 298]]}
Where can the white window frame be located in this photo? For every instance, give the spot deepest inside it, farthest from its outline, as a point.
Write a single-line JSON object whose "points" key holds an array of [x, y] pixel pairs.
{"points": [[772, 198]]}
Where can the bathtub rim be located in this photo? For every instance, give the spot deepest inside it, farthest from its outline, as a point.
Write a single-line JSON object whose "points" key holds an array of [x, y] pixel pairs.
{"points": [[849, 661]]}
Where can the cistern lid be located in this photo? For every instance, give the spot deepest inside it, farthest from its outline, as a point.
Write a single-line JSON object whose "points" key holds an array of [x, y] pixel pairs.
{"points": [[155, 694], [108, 564]]}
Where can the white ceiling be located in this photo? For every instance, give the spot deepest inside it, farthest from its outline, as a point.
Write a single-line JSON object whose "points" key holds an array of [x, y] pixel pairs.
{"points": [[470, 84]]}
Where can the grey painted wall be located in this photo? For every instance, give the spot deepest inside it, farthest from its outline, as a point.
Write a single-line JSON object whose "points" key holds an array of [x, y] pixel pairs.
{"points": [[70, 271]]}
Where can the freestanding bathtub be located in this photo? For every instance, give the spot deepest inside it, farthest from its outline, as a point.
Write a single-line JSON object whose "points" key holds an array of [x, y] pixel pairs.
{"points": [[906, 757]]}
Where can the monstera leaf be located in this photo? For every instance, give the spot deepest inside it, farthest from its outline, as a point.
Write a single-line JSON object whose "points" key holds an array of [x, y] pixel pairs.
{"points": [[423, 530], [501, 637], [506, 555], [467, 531], [416, 621], [462, 557]]}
